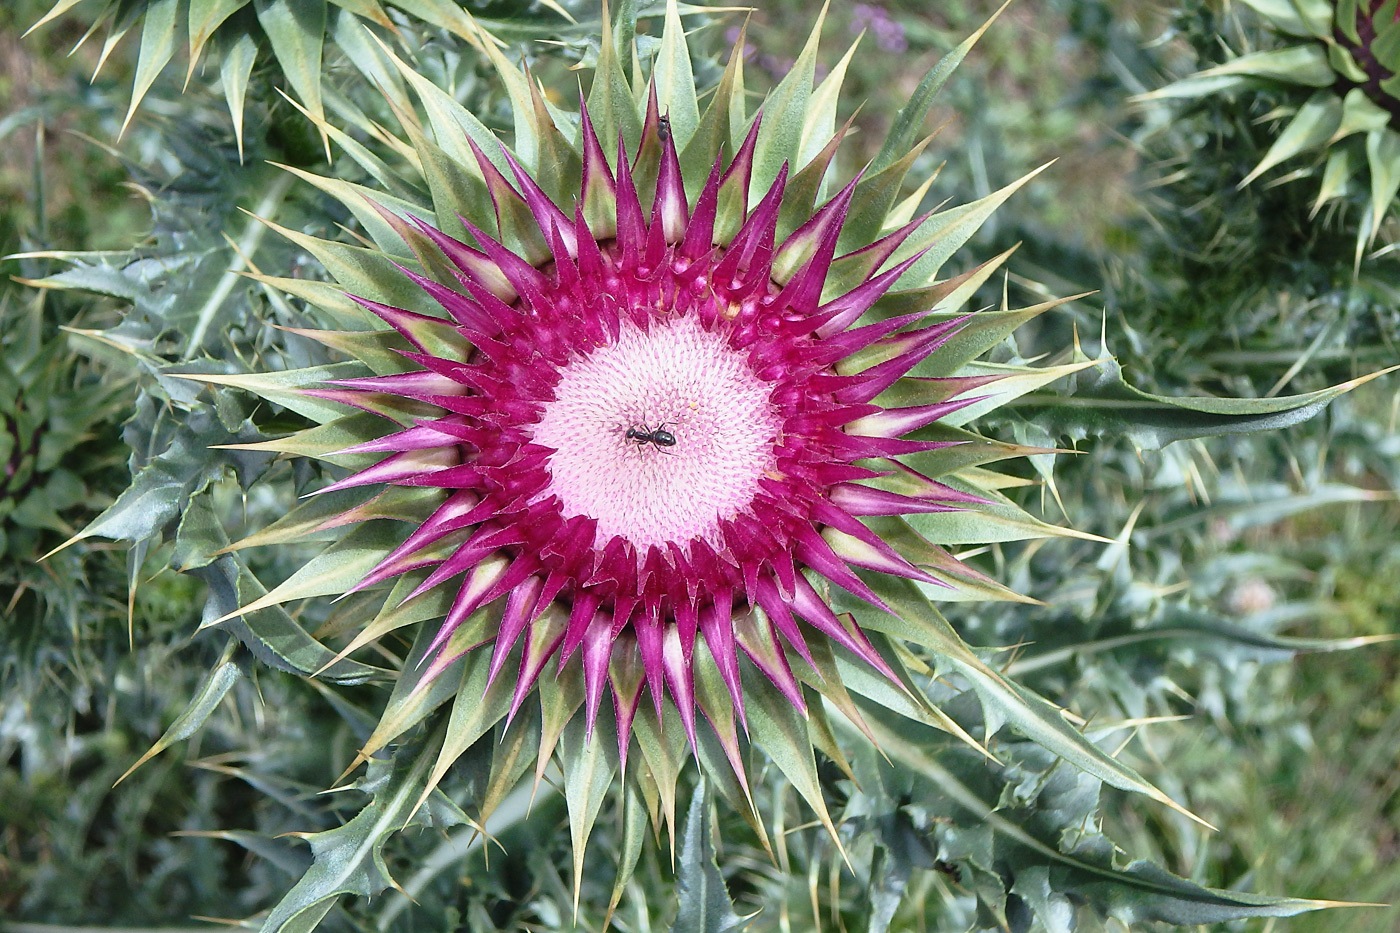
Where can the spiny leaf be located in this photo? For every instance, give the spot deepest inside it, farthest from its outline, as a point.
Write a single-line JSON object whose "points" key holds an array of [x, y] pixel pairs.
{"points": [[560, 697], [1103, 404], [235, 67], [324, 441], [220, 680], [380, 350], [1313, 125], [510, 760], [1298, 64], [1138, 893], [663, 751], [820, 123], [1012, 382], [610, 102], [945, 232], [289, 388], [998, 520], [634, 824], [875, 195], [713, 132], [206, 16], [862, 680], [1383, 157], [334, 571], [58, 9], [940, 298], [970, 450], [397, 611], [703, 904], [980, 331], [1297, 17], [450, 16], [1194, 627], [1261, 505], [357, 199], [522, 108], [918, 620], [350, 858], [163, 487], [304, 518], [336, 308], [364, 272], [272, 635], [964, 583]]}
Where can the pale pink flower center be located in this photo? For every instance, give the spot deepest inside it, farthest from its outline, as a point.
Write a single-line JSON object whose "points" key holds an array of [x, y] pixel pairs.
{"points": [[673, 376]]}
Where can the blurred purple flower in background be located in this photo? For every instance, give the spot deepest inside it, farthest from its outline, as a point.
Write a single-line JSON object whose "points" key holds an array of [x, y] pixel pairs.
{"points": [[776, 65], [888, 34]]}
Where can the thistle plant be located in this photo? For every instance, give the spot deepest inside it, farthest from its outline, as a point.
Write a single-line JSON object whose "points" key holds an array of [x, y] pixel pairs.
{"points": [[639, 436], [701, 437], [1337, 65]]}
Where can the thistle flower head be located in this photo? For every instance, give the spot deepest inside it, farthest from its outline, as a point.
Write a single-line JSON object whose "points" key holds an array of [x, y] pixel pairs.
{"points": [[653, 433], [662, 412]]}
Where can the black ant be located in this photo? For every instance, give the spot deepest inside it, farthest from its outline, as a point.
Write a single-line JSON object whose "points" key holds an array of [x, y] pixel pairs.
{"points": [[659, 437]]}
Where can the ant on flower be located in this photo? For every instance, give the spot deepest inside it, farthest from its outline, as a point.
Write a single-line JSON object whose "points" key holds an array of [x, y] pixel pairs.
{"points": [[659, 437]]}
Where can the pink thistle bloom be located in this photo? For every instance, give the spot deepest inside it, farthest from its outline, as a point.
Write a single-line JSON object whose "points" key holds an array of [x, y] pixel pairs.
{"points": [[651, 432], [666, 416]]}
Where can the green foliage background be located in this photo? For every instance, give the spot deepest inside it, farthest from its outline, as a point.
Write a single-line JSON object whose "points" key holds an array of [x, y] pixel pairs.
{"points": [[1240, 560]]}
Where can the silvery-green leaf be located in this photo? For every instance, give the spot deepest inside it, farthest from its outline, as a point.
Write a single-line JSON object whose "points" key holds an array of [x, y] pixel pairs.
{"points": [[704, 905], [1103, 404]]}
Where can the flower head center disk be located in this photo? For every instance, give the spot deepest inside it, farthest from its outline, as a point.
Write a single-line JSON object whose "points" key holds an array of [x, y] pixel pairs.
{"points": [[660, 435]]}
